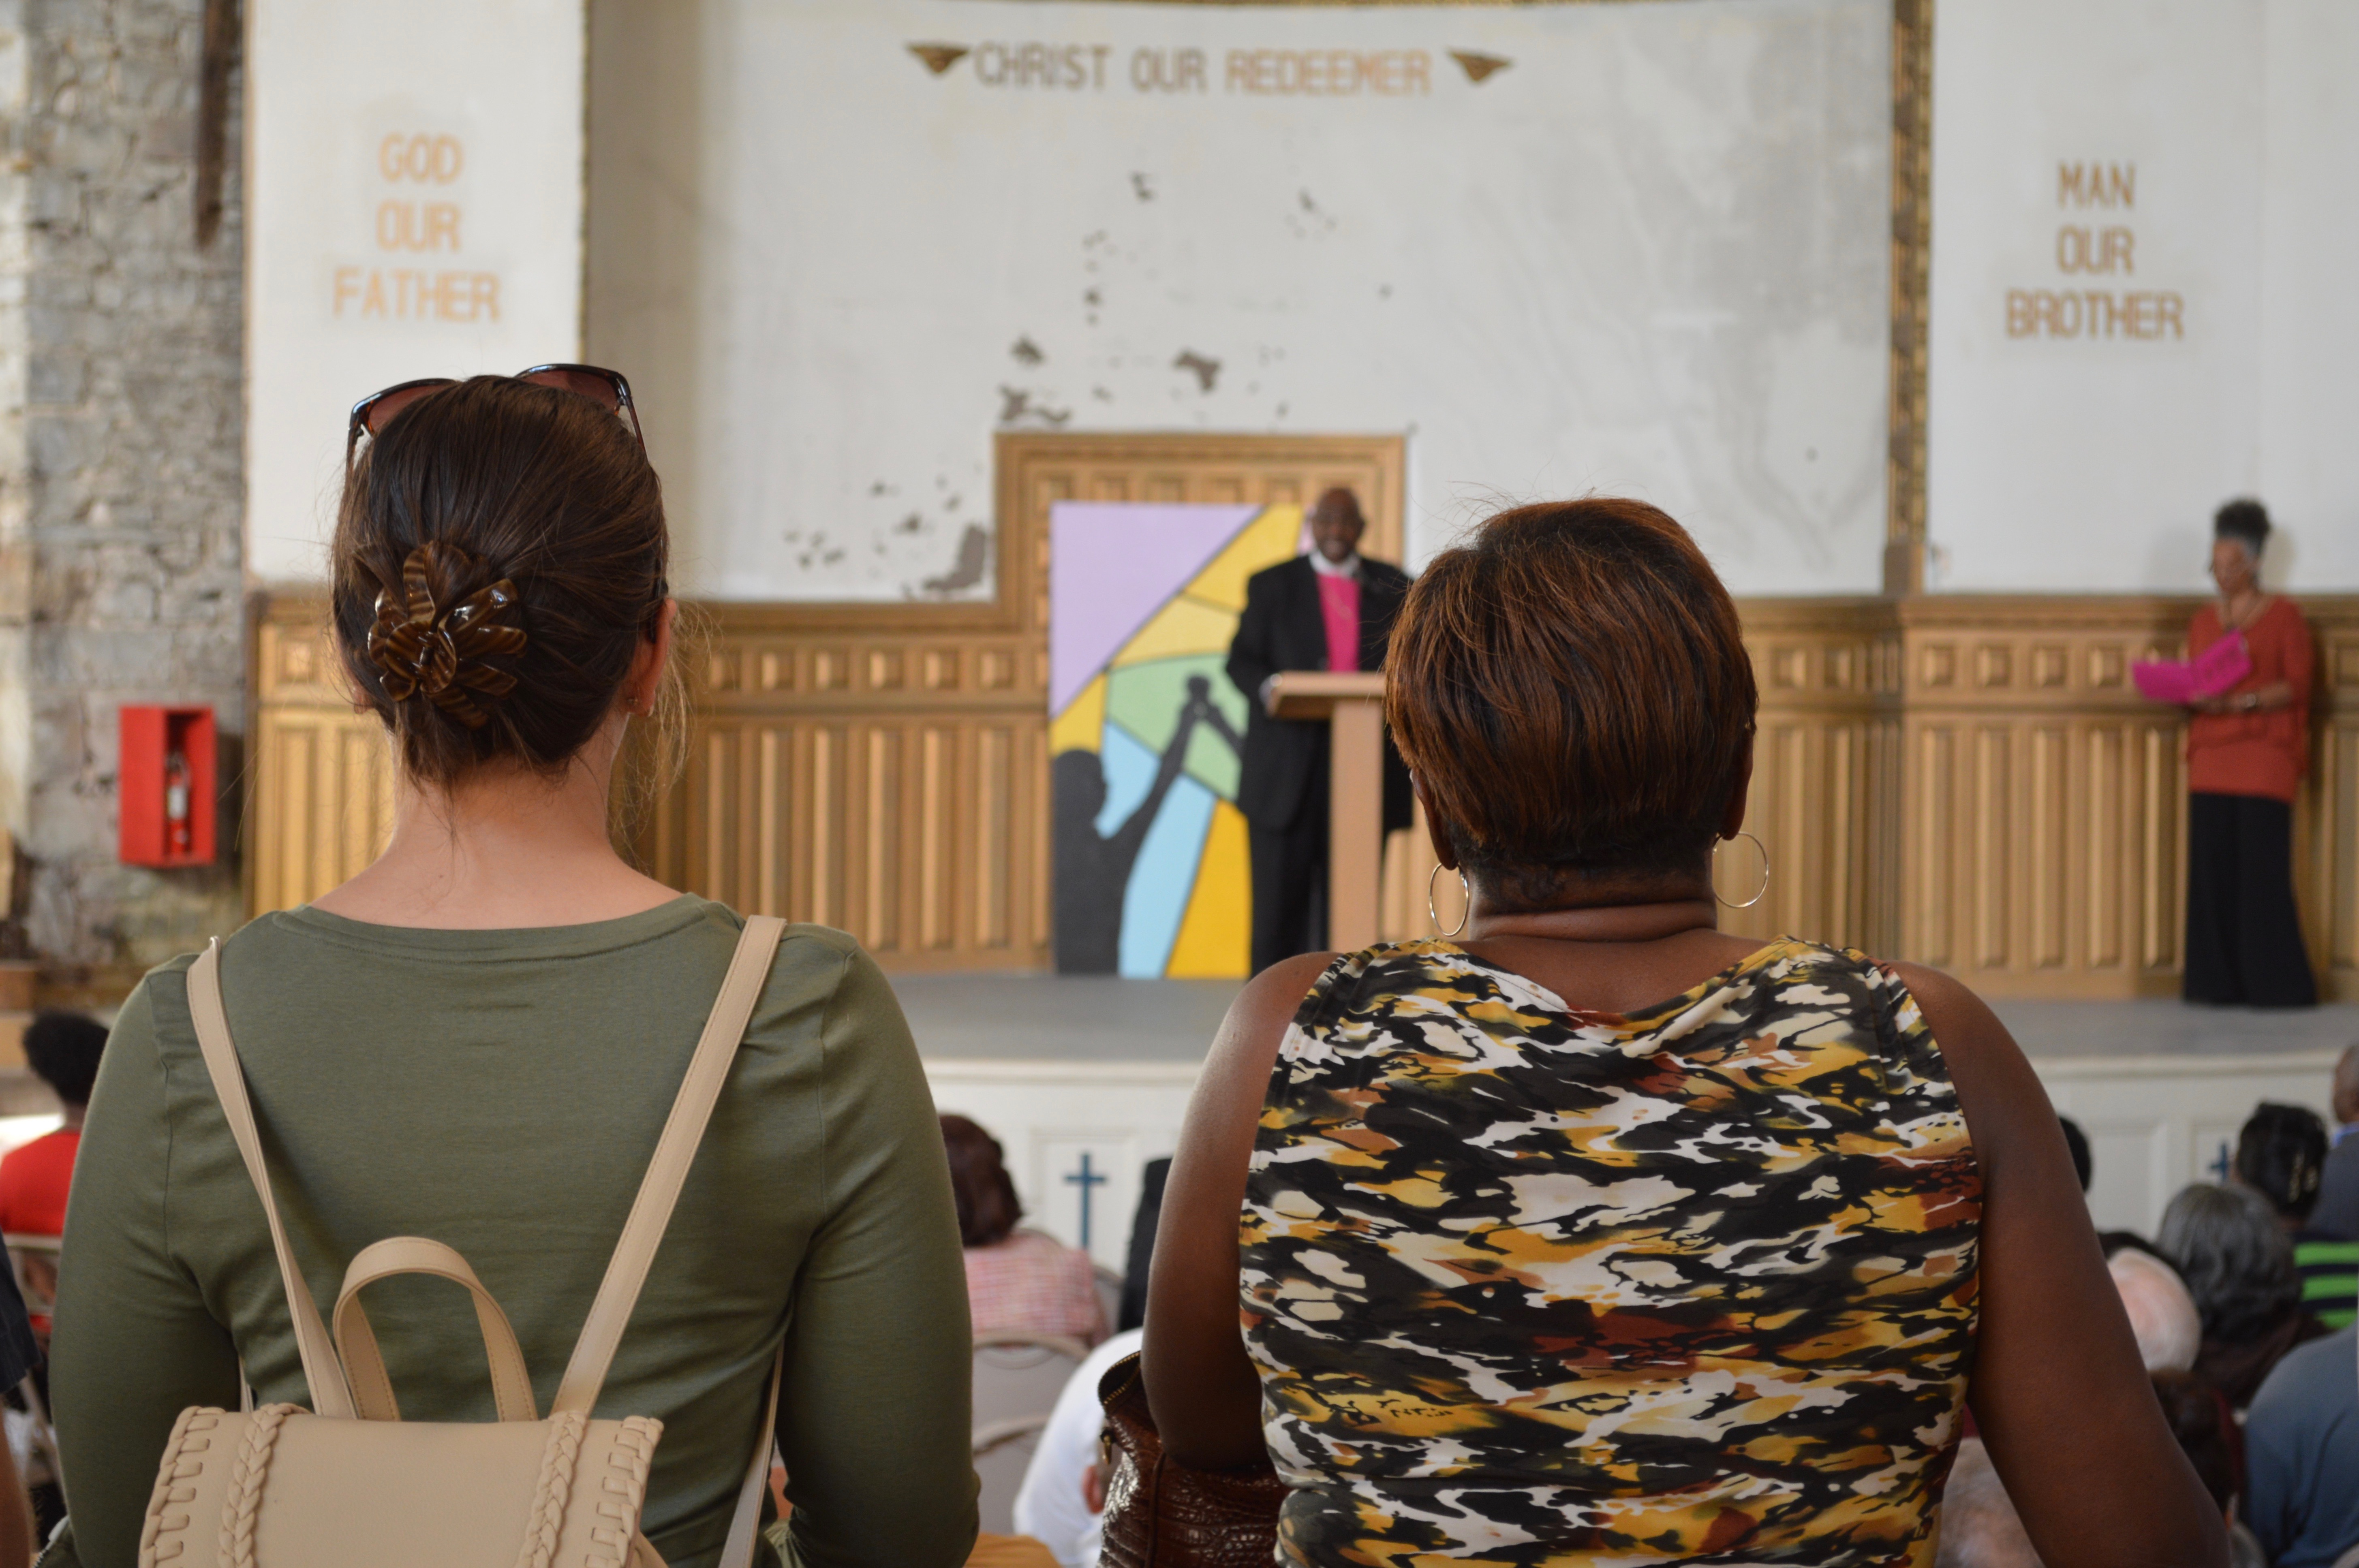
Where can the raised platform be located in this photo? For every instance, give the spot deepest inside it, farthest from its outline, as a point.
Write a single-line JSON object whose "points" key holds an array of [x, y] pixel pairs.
{"points": [[1088, 1017], [1084, 1078]]}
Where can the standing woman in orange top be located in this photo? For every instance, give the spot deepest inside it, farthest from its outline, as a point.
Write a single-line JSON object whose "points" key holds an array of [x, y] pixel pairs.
{"points": [[2247, 752]]}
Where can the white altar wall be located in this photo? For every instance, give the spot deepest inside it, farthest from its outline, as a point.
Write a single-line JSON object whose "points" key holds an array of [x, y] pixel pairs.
{"points": [[1646, 253], [2155, 1123], [2082, 445], [415, 208]]}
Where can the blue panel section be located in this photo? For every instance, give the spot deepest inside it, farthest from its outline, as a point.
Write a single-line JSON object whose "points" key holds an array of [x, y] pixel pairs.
{"points": [[1129, 775], [1156, 898]]}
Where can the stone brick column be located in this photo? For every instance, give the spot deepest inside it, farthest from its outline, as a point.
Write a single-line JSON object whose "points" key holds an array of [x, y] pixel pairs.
{"points": [[122, 414]]}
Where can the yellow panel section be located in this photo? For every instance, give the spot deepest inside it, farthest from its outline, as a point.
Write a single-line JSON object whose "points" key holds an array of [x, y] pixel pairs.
{"points": [[1079, 728], [1215, 940], [1183, 625], [1263, 542]]}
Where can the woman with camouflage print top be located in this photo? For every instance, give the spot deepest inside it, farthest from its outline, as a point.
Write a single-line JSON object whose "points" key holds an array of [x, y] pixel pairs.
{"points": [[1596, 1236]]}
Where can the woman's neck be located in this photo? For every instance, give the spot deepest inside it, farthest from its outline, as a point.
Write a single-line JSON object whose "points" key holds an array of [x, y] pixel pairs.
{"points": [[502, 849], [1649, 920]]}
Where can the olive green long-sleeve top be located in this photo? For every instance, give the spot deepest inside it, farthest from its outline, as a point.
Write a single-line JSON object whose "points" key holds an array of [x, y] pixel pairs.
{"points": [[502, 1091]]}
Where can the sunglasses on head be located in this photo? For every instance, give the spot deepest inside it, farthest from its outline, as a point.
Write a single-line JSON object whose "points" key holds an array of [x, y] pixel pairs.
{"points": [[607, 388]]}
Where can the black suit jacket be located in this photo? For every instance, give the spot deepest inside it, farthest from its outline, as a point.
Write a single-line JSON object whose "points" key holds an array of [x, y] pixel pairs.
{"points": [[1285, 763]]}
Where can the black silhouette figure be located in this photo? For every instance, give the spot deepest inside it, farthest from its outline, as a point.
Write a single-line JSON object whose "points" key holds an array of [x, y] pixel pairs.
{"points": [[1093, 868]]}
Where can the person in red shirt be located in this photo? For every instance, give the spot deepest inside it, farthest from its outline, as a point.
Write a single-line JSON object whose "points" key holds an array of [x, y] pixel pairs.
{"points": [[62, 1048], [2247, 752]]}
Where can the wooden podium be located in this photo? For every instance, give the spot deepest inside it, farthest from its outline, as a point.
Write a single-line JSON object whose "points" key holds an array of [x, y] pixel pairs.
{"points": [[1353, 703]]}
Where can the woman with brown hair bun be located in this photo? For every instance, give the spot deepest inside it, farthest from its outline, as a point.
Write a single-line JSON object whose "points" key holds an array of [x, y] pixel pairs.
{"points": [[1586, 1233], [477, 1040], [1024, 1282]]}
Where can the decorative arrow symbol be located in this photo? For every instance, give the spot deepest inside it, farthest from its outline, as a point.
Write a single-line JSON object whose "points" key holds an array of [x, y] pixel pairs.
{"points": [[940, 58], [1477, 66]]}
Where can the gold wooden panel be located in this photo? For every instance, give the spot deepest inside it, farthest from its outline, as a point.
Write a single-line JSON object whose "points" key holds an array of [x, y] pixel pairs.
{"points": [[1970, 783], [321, 802], [1912, 257]]}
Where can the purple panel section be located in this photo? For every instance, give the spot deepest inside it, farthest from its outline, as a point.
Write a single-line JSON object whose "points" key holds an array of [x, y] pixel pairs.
{"points": [[1112, 565]]}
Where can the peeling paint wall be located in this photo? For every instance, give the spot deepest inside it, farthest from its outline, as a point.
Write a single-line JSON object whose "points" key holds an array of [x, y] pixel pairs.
{"points": [[1636, 248]]}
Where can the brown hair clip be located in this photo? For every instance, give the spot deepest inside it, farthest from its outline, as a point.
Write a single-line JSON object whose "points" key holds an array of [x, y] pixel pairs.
{"points": [[439, 655]]}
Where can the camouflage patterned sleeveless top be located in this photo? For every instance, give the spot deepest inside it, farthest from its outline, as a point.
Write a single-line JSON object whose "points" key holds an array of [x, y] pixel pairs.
{"points": [[1527, 1285]]}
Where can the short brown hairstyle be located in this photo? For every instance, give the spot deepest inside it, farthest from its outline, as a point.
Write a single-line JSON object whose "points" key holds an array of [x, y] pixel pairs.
{"points": [[1571, 690], [514, 481], [986, 1195]]}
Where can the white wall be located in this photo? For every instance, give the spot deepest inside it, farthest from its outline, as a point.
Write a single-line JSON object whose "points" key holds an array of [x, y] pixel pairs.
{"points": [[2155, 1124], [2062, 460], [1648, 255], [416, 210]]}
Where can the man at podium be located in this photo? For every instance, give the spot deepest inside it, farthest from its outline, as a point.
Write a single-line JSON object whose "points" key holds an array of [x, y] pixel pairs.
{"points": [[1332, 610]]}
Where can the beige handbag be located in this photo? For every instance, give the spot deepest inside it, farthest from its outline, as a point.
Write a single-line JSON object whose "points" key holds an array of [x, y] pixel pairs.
{"points": [[355, 1486]]}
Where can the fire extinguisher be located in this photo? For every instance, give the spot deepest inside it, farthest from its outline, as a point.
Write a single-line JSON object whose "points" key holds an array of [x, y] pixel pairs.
{"points": [[178, 831]]}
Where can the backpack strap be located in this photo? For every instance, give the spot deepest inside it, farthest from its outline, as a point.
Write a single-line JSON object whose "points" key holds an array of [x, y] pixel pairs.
{"points": [[642, 1232], [321, 1370], [737, 1552]]}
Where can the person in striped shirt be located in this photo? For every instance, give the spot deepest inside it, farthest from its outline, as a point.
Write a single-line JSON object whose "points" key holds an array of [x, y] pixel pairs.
{"points": [[2281, 1154]]}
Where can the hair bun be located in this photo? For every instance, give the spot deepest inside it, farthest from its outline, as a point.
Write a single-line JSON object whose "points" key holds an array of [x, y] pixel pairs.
{"points": [[423, 650]]}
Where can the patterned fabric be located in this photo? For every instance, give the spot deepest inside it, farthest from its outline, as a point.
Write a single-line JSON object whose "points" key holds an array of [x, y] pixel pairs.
{"points": [[1034, 1284], [1532, 1286], [2330, 1276]]}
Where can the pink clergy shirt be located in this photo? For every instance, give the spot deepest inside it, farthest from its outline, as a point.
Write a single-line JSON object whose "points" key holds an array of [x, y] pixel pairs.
{"points": [[1339, 602]]}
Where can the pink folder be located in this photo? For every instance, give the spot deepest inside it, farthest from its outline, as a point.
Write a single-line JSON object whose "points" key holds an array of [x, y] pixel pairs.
{"points": [[2221, 667]]}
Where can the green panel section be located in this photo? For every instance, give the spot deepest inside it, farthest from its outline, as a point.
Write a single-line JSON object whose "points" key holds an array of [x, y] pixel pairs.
{"points": [[1146, 700]]}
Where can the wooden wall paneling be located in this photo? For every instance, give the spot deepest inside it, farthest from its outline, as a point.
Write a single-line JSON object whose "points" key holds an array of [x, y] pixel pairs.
{"points": [[1822, 755], [322, 805], [1968, 782]]}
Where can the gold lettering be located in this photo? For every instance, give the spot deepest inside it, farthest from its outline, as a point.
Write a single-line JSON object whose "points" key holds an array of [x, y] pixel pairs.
{"points": [[1328, 73], [2140, 314], [2096, 185], [407, 294]]}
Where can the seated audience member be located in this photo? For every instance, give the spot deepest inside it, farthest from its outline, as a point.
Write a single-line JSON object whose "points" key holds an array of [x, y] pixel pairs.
{"points": [[2077, 1143], [63, 1049], [1142, 1221], [1061, 1503], [1016, 1279], [2207, 1434], [1979, 1527], [2237, 1263], [2281, 1154], [19, 1352], [1526, 1216], [2301, 1455], [2337, 1213], [2162, 1314]]}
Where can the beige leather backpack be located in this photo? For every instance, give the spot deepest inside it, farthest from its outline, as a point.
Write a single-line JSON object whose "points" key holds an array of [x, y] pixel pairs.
{"points": [[353, 1485]]}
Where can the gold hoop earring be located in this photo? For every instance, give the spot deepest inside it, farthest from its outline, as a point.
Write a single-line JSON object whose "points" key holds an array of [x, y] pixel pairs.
{"points": [[1434, 914], [1757, 893]]}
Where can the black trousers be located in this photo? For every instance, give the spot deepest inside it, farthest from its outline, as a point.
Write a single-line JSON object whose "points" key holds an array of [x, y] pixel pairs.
{"points": [[2244, 939], [1289, 887]]}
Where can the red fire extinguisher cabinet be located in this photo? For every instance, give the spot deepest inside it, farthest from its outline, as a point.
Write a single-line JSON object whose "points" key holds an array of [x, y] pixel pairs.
{"points": [[148, 794]]}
